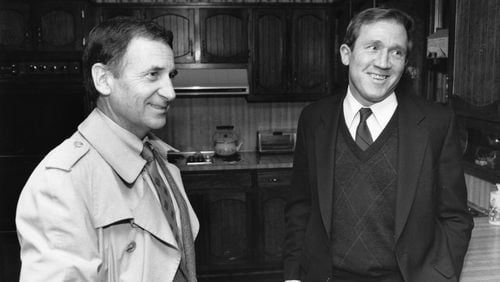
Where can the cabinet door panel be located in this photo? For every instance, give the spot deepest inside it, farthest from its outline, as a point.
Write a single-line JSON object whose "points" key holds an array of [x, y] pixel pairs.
{"points": [[228, 225], [57, 19], [10, 263], [273, 209], [224, 36], [310, 40], [14, 26], [269, 63], [181, 23], [60, 27]]}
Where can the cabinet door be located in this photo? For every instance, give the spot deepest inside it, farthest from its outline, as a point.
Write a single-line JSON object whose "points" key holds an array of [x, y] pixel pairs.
{"points": [[59, 26], [10, 264], [224, 35], [273, 188], [181, 23], [269, 59], [223, 203], [310, 42], [14, 26], [228, 225]]}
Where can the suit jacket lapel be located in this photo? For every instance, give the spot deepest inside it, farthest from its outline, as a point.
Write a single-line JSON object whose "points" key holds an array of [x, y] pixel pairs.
{"points": [[325, 140], [412, 144]]}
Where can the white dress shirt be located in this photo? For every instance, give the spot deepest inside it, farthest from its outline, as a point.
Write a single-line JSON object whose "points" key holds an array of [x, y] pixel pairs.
{"points": [[377, 121]]}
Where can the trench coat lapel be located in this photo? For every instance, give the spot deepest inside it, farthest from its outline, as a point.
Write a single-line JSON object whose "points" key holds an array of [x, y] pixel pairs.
{"points": [[149, 216], [412, 145], [325, 140]]}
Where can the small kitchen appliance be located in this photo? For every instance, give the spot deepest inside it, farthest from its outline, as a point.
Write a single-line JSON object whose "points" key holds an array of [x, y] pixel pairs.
{"points": [[276, 141]]}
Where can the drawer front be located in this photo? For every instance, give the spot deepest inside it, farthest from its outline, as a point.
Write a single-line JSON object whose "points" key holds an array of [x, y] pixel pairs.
{"points": [[217, 180], [274, 178]]}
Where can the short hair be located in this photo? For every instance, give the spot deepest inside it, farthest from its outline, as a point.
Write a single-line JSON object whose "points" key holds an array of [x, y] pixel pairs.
{"points": [[108, 42], [372, 15]]}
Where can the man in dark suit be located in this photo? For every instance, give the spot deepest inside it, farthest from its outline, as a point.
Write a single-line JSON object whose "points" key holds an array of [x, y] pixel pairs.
{"points": [[378, 192]]}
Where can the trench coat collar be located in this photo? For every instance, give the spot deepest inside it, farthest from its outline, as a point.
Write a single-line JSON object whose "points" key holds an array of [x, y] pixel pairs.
{"points": [[119, 148], [124, 158]]}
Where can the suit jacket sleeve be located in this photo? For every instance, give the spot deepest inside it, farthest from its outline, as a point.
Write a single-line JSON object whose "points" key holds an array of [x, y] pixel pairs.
{"points": [[298, 204], [452, 209]]}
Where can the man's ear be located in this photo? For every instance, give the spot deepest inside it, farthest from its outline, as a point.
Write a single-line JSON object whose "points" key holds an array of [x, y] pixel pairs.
{"points": [[102, 78], [345, 53]]}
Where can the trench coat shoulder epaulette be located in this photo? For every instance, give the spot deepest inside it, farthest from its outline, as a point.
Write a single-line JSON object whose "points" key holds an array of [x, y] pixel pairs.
{"points": [[67, 154]]}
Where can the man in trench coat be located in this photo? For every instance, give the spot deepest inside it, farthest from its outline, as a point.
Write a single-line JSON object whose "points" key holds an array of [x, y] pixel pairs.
{"points": [[91, 209]]}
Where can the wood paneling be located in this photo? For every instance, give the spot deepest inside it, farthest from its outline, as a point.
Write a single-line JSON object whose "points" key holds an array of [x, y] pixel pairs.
{"points": [[191, 122], [477, 55]]}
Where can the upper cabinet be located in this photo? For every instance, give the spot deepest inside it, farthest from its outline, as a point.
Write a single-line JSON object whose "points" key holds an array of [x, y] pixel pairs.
{"points": [[48, 26], [205, 35], [181, 23], [224, 35], [15, 30], [295, 53]]}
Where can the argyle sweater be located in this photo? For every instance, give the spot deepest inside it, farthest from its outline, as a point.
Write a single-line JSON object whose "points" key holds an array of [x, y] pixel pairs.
{"points": [[364, 202]]}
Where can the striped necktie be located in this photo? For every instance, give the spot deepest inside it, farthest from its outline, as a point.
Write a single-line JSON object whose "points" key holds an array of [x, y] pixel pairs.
{"points": [[184, 237]]}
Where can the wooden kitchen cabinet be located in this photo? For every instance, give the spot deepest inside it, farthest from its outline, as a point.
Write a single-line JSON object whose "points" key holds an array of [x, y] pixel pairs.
{"points": [[15, 27], [205, 35], [224, 35], [242, 224], [273, 188], [10, 262], [44, 26], [223, 199], [181, 23], [294, 52]]}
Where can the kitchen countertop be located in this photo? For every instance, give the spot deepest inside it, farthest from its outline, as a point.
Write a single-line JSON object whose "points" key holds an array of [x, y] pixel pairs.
{"points": [[482, 261], [249, 160]]}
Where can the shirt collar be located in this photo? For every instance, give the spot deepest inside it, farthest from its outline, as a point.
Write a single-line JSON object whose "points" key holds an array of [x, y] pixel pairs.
{"points": [[382, 111], [120, 148]]}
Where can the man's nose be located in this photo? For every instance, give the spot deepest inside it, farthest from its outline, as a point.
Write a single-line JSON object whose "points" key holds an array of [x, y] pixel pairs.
{"points": [[383, 60], [167, 90]]}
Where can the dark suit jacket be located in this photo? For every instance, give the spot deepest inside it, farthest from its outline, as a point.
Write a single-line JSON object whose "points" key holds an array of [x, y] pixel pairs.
{"points": [[432, 225]]}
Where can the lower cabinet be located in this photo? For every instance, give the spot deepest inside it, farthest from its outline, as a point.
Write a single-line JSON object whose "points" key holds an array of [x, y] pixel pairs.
{"points": [[10, 262], [241, 215]]}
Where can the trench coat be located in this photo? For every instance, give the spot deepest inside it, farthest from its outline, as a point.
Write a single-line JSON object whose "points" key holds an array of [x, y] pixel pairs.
{"points": [[432, 224], [85, 214]]}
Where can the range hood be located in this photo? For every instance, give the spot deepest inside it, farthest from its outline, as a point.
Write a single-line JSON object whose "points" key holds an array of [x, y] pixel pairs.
{"points": [[189, 82]]}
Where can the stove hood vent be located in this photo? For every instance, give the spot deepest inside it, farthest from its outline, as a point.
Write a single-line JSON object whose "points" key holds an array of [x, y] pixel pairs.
{"points": [[190, 82]]}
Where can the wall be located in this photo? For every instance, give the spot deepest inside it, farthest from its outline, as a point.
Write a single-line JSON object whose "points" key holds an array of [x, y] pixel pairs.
{"points": [[191, 122]]}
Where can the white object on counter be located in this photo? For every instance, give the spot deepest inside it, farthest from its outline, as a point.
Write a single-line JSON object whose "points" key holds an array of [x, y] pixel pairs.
{"points": [[494, 216]]}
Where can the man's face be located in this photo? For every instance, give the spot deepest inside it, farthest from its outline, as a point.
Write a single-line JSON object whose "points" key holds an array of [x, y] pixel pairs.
{"points": [[376, 61], [142, 90]]}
